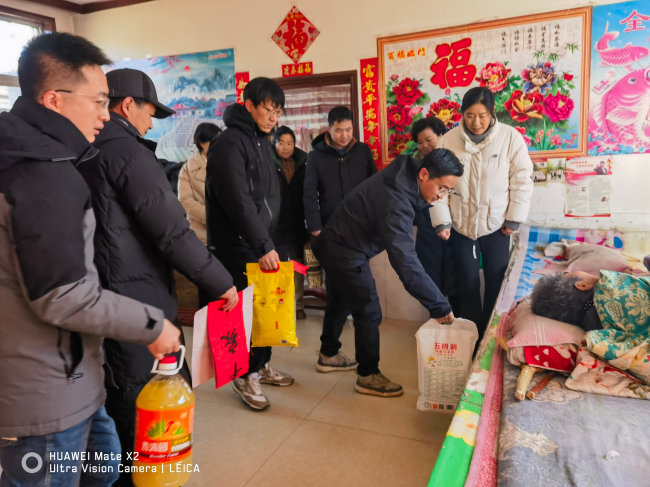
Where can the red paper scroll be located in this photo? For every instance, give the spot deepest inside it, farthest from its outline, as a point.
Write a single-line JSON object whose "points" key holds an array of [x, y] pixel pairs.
{"points": [[370, 107], [227, 337], [300, 69], [241, 80]]}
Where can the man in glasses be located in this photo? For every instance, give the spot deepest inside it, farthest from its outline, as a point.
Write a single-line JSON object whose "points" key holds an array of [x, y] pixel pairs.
{"points": [[54, 311], [142, 237], [242, 201], [376, 216]]}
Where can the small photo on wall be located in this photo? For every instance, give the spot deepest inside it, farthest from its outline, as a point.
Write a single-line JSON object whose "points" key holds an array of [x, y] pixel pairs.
{"points": [[555, 170], [540, 172]]}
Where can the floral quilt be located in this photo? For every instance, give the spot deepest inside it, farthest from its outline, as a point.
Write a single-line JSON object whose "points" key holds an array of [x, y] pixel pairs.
{"points": [[623, 305]]}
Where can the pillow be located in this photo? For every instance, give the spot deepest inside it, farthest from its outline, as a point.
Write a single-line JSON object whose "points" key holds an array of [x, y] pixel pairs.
{"points": [[588, 258], [561, 358], [528, 329]]}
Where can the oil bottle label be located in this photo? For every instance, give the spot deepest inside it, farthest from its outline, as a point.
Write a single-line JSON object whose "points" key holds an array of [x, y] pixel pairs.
{"points": [[164, 435]]}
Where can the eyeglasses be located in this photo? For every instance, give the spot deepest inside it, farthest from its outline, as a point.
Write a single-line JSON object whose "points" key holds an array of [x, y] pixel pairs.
{"points": [[273, 113], [103, 101], [443, 191]]}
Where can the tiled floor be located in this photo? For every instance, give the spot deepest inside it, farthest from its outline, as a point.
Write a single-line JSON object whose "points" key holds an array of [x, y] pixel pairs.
{"points": [[319, 431]]}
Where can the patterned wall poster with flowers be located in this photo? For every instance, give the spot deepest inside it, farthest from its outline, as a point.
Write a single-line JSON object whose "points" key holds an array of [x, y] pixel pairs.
{"points": [[370, 107], [536, 66], [619, 101]]}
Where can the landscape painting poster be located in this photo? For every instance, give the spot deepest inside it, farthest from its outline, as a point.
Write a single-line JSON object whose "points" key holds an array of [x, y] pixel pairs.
{"points": [[198, 86]]}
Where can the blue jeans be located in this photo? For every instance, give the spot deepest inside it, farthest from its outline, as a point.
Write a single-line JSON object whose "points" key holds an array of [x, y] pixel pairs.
{"points": [[39, 461]]}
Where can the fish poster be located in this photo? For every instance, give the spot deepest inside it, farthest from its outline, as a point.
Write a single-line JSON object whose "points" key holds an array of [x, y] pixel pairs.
{"points": [[198, 86], [536, 66], [588, 186], [619, 103]]}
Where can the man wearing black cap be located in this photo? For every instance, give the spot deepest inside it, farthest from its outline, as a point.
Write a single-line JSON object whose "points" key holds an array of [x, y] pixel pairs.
{"points": [[142, 236]]}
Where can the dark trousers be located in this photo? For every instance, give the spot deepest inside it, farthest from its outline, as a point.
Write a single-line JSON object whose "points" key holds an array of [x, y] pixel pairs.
{"points": [[235, 263], [353, 290], [204, 299], [437, 257], [495, 249]]}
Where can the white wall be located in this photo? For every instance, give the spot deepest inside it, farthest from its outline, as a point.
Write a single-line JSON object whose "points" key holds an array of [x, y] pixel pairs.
{"points": [[63, 18], [349, 29]]}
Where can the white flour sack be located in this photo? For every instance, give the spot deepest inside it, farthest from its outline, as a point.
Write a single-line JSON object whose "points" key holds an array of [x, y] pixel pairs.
{"points": [[444, 360]]}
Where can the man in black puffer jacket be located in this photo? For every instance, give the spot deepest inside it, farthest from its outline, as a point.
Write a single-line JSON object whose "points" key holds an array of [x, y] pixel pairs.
{"points": [[376, 216], [242, 202], [337, 165], [142, 236]]}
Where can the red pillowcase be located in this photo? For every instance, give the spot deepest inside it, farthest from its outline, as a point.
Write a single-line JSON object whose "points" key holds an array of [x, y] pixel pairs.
{"points": [[559, 358]]}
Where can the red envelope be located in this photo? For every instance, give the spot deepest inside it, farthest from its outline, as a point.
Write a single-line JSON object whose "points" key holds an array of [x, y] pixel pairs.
{"points": [[300, 268], [227, 337]]}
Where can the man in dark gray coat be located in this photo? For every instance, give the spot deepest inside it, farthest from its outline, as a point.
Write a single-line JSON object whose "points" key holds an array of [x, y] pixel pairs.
{"points": [[54, 311], [142, 237], [376, 216]]}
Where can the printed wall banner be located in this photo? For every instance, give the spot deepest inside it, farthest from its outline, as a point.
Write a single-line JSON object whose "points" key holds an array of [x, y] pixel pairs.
{"points": [[295, 34], [588, 186], [300, 69], [619, 103], [370, 108], [198, 86], [536, 66], [241, 80]]}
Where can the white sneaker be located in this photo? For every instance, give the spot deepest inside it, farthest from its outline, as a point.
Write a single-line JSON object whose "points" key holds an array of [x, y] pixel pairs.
{"points": [[251, 392]]}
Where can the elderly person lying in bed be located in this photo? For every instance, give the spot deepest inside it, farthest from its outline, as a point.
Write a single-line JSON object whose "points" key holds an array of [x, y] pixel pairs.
{"points": [[566, 291], [614, 309]]}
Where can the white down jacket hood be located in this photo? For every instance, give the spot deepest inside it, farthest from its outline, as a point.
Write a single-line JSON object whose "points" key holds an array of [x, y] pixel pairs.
{"points": [[496, 185]]}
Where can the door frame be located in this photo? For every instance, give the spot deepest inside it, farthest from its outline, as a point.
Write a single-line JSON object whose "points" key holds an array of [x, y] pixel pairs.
{"points": [[329, 79]]}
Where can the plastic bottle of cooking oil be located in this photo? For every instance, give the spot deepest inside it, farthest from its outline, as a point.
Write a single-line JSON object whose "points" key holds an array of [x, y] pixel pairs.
{"points": [[164, 427]]}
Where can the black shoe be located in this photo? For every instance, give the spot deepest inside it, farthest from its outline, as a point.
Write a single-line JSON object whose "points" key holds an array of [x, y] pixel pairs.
{"points": [[301, 315]]}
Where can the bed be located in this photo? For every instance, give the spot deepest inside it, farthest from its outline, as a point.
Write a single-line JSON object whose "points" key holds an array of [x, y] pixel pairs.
{"points": [[562, 437]]}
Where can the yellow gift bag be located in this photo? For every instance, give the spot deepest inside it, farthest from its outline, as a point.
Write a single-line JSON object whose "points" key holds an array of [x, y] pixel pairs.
{"points": [[274, 306]]}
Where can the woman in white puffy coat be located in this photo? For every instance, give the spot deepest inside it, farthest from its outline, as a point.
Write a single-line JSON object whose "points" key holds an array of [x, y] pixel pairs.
{"points": [[191, 180], [491, 200]]}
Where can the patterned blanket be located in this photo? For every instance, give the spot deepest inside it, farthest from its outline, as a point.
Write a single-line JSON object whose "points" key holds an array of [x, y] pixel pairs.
{"points": [[623, 305], [469, 454], [562, 437]]}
